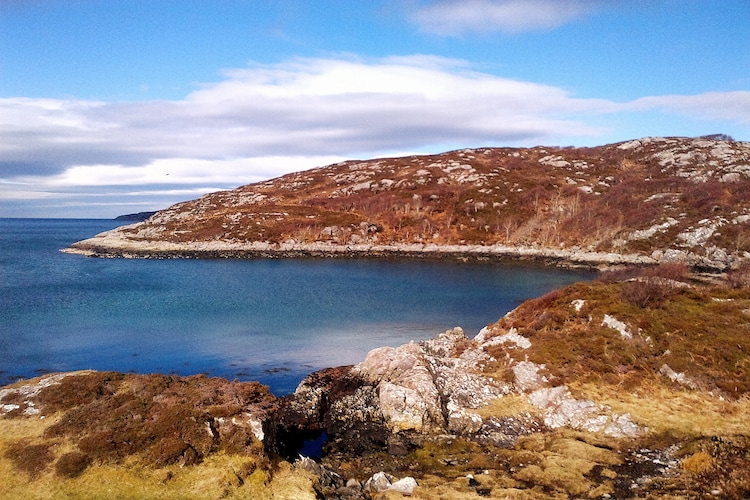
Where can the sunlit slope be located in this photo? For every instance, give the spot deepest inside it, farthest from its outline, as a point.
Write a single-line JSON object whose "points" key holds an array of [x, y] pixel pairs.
{"points": [[659, 198]]}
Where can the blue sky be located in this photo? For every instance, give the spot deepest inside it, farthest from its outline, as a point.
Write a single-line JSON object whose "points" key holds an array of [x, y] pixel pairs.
{"points": [[118, 106]]}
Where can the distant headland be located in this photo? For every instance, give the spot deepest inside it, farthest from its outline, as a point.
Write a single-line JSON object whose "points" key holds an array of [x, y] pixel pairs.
{"points": [[138, 217]]}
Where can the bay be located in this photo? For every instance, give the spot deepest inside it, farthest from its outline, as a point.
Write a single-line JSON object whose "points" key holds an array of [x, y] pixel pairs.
{"points": [[271, 320]]}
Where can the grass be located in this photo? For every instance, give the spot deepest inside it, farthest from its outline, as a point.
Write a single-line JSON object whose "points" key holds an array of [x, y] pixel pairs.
{"points": [[218, 477], [221, 475], [111, 435], [677, 412]]}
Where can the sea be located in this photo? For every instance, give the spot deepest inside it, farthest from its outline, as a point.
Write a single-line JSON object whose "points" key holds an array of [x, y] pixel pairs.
{"points": [[269, 320]]}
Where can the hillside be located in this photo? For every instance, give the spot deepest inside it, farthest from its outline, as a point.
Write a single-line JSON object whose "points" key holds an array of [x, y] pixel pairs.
{"points": [[643, 201]]}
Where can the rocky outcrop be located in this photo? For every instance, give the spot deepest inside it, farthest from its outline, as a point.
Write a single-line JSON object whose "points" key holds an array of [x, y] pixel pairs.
{"points": [[398, 397]]}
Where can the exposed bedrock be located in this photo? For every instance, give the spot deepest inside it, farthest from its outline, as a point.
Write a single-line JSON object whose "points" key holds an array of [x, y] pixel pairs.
{"points": [[399, 397]]}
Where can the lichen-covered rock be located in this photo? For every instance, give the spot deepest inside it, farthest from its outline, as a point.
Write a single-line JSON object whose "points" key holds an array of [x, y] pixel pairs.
{"points": [[429, 386], [561, 409]]}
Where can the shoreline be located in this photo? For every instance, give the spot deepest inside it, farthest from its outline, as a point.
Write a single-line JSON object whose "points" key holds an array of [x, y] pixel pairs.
{"points": [[107, 245]]}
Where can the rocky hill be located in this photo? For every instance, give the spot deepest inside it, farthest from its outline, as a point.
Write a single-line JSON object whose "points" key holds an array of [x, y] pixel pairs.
{"points": [[643, 201]]}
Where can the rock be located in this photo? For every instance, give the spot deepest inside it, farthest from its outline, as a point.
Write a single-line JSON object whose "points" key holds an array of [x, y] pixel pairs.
{"points": [[622, 426], [399, 396], [679, 378], [512, 338], [345, 493], [354, 484], [407, 408], [527, 376], [405, 486], [327, 479], [561, 409], [505, 431], [389, 362], [431, 385], [378, 483]]}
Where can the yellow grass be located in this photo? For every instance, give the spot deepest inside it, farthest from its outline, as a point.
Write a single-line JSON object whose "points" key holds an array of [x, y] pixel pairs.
{"points": [[219, 476], [507, 406], [681, 413]]}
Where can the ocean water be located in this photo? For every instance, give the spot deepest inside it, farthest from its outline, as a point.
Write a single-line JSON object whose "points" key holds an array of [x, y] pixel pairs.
{"points": [[269, 320]]}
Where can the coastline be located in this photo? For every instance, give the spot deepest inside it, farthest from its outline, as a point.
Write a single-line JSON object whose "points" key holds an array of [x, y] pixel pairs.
{"points": [[111, 245]]}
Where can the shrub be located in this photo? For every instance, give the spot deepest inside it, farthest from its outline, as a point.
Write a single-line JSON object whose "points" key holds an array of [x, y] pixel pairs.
{"points": [[697, 463], [72, 464], [32, 459], [646, 292], [165, 419], [649, 287]]}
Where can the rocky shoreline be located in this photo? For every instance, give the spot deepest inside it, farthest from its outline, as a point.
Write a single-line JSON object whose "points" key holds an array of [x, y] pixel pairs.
{"points": [[114, 244]]}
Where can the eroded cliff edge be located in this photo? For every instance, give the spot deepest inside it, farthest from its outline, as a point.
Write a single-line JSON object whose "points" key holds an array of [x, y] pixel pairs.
{"points": [[645, 201]]}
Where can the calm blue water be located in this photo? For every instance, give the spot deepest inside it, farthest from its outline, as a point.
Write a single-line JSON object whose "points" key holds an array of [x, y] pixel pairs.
{"points": [[268, 320]]}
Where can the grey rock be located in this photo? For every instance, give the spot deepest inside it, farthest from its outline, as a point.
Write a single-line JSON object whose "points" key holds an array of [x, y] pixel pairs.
{"points": [[378, 483]]}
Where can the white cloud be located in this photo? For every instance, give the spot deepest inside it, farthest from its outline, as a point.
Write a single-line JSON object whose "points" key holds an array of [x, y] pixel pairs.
{"points": [[457, 17], [267, 120], [305, 108], [182, 171], [734, 106]]}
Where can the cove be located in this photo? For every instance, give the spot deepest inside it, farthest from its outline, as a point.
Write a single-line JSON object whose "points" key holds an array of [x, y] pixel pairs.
{"points": [[271, 320]]}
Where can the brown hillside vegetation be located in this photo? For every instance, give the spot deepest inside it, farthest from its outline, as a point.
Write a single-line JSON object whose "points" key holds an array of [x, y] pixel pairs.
{"points": [[631, 333], [665, 198]]}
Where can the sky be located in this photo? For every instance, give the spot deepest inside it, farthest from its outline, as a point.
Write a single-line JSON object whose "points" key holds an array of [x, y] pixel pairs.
{"points": [[110, 107]]}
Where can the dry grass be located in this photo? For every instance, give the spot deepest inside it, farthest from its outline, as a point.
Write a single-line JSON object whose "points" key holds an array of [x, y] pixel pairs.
{"points": [[506, 406], [698, 463], [106, 435], [219, 476], [673, 411], [702, 332]]}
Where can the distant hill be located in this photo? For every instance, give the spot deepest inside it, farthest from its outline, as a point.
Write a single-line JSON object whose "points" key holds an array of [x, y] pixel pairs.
{"points": [[652, 199], [140, 216]]}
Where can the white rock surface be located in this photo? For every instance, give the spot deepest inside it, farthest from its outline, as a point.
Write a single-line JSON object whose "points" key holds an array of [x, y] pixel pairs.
{"points": [[405, 486]]}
